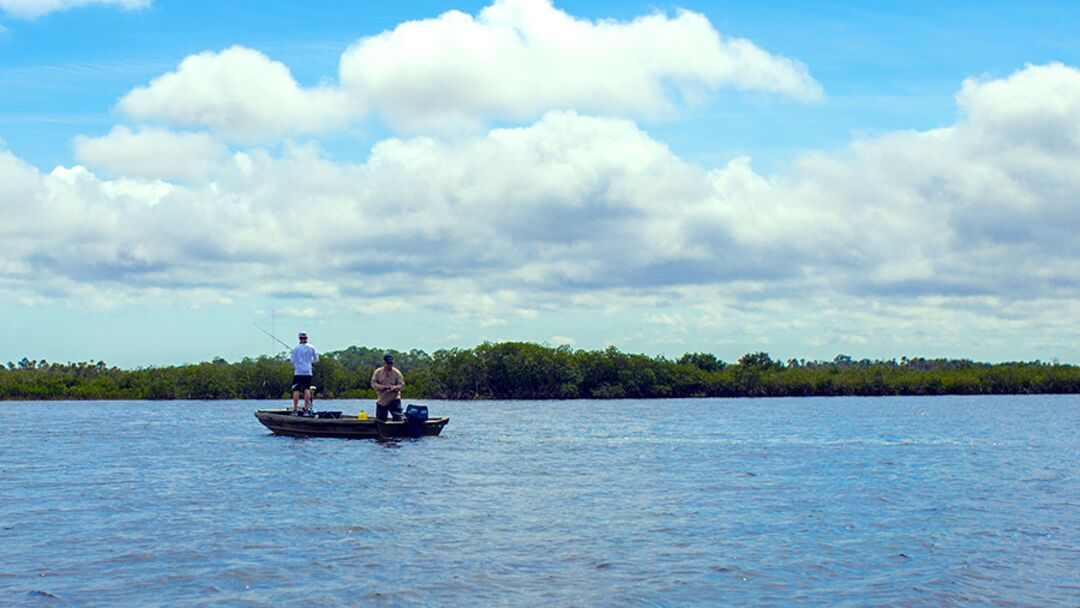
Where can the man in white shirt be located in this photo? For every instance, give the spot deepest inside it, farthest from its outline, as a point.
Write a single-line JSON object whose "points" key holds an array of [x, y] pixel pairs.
{"points": [[302, 356]]}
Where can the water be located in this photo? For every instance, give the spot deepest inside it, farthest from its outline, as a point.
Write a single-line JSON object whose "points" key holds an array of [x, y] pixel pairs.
{"points": [[955, 501]]}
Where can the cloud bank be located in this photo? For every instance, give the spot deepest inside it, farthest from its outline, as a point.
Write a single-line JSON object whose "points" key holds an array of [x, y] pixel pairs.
{"points": [[928, 236], [574, 208]]}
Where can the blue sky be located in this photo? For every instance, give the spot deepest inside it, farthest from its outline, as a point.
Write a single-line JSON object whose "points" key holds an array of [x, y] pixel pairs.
{"points": [[808, 179]]}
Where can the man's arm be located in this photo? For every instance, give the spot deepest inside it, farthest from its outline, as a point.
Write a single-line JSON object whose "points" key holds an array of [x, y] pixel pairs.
{"points": [[375, 384]]}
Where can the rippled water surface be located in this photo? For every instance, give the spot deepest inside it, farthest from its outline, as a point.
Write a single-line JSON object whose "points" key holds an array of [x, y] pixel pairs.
{"points": [[956, 501]]}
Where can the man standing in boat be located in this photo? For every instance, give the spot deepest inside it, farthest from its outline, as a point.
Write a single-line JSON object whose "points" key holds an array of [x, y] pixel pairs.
{"points": [[302, 356], [387, 382]]}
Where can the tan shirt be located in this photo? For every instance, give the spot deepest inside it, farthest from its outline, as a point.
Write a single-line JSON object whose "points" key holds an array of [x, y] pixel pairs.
{"points": [[387, 384]]}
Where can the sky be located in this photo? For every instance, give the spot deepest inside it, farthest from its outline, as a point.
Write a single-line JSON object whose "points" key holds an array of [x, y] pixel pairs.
{"points": [[807, 179]]}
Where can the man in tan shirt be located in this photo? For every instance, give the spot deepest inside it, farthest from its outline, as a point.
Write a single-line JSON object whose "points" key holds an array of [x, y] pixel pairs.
{"points": [[387, 382]]}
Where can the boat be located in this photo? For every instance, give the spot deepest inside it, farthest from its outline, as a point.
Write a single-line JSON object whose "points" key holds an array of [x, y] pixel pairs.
{"points": [[335, 424]]}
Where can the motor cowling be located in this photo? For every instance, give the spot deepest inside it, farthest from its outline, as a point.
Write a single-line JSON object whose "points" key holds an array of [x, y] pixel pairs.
{"points": [[415, 418]]}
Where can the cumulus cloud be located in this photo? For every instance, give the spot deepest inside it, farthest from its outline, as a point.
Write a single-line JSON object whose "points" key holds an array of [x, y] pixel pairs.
{"points": [[152, 154], [572, 201], [240, 93], [1050, 92], [515, 60], [985, 207], [971, 222], [519, 58], [76, 234], [29, 9]]}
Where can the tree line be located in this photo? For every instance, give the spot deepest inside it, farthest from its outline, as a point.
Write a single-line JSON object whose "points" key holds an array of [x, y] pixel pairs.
{"points": [[524, 370]]}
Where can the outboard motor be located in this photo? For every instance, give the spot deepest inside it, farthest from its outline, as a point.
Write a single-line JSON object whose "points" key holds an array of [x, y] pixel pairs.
{"points": [[415, 417]]}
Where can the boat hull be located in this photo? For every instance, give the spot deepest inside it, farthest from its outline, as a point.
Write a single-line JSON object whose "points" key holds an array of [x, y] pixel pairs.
{"points": [[282, 422]]}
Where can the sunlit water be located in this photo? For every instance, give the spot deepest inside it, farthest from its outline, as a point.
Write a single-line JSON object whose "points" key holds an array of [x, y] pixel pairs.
{"points": [[956, 501]]}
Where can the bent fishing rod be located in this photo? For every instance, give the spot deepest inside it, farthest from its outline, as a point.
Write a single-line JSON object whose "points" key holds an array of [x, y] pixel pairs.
{"points": [[274, 337]]}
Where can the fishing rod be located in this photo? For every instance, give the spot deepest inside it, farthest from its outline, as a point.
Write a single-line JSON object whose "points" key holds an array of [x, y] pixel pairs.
{"points": [[274, 337]]}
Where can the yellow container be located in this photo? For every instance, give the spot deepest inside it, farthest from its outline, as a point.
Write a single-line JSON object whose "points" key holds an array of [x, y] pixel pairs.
{"points": [[362, 415]]}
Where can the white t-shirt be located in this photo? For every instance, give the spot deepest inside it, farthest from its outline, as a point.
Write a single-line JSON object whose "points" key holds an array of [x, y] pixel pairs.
{"points": [[303, 355]]}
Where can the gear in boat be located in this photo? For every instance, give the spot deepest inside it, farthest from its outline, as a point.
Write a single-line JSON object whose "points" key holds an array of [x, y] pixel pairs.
{"points": [[415, 423]]}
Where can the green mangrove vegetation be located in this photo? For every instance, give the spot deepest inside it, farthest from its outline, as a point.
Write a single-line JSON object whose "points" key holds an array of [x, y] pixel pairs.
{"points": [[523, 370]]}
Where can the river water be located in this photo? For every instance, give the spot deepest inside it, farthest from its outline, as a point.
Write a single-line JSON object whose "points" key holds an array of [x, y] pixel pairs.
{"points": [[947, 501]]}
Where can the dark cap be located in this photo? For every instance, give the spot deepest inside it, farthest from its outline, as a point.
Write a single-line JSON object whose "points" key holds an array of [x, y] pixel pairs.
{"points": [[388, 358]]}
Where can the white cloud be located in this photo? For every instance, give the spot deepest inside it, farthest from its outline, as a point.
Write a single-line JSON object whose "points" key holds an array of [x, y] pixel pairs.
{"points": [[240, 93], [987, 206], [29, 9], [152, 154], [1036, 107], [520, 58], [932, 231], [516, 60]]}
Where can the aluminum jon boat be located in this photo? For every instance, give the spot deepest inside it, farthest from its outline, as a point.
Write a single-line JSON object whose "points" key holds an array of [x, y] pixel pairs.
{"points": [[333, 424]]}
